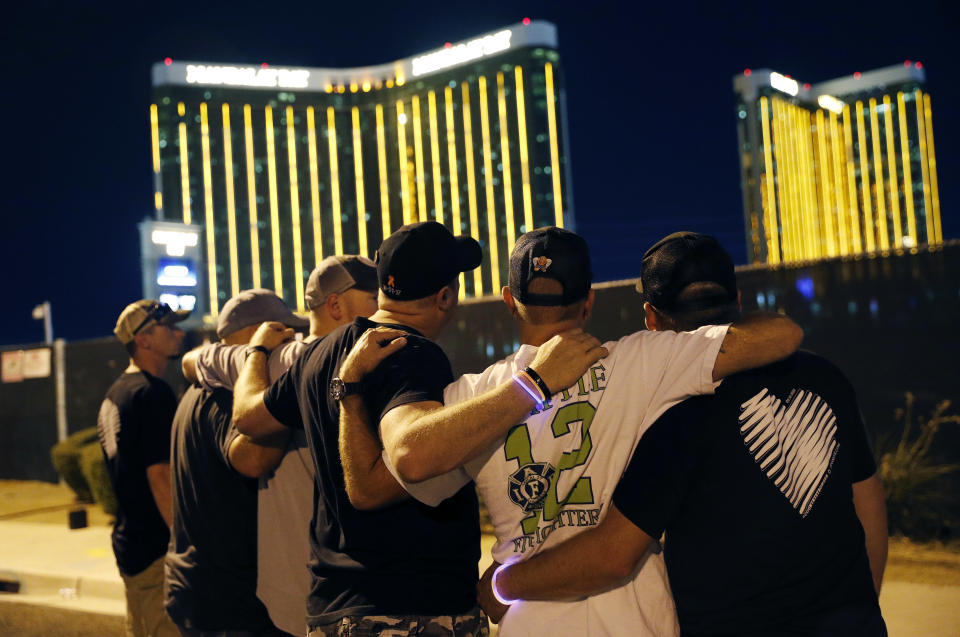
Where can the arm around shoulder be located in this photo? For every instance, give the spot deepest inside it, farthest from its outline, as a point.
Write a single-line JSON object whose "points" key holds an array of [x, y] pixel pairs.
{"points": [[757, 340]]}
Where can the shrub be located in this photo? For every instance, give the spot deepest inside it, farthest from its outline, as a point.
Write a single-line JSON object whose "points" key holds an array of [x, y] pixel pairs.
{"points": [[94, 469], [65, 456], [920, 502]]}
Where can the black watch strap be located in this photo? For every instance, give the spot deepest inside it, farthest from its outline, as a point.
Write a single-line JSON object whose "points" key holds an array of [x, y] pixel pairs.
{"points": [[257, 348], [340, 390]]}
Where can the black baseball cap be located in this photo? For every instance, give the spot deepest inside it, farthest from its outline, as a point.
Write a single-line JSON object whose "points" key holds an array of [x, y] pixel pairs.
{"points": [[552, 253], [420, 258], [680, 259]]}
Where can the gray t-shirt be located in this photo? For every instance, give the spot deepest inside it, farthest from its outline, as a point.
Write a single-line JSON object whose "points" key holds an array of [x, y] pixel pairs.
{"points": [[285, 497]]}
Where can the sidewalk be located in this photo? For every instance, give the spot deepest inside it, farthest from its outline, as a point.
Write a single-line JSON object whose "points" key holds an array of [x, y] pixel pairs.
{"points": [[69, 583]]}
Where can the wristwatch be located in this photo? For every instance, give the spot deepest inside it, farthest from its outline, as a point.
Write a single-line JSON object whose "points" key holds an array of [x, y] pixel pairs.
{"points": [[340, 390], [257, 348]]}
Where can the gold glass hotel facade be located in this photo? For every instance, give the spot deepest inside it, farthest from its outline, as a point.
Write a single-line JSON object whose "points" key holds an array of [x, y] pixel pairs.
{"points": [[839, 168], [285, 166]]}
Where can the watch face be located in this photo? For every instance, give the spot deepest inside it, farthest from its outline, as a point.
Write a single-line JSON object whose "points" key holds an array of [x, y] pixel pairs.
{"points": [[336, 389]]}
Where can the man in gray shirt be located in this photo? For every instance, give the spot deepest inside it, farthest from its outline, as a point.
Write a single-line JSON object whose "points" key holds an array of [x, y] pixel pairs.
{"points": [[340, 289]]}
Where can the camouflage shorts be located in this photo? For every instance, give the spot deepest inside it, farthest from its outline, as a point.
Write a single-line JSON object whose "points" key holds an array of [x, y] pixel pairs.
{"points": [[472, 624]]}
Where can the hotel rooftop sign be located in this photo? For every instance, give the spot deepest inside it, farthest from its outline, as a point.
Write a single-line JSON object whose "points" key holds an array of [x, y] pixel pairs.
{"points": [[452, 55]]}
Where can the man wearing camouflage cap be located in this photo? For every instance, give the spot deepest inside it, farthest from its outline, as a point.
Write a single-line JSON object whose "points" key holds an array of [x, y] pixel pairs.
{"points": [[134, 430]]}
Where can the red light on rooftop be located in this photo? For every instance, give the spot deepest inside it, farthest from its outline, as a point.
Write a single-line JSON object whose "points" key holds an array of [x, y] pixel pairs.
{"points": [[526, 21], [918, 65], [788, 77], [167, 61], [264, 65], [747, 72], [806, 86], [906, 62], [447, 45], [856, 75]]}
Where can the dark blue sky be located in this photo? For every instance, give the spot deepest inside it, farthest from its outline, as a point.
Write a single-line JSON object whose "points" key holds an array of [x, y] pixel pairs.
{"points": [[650, 112]]}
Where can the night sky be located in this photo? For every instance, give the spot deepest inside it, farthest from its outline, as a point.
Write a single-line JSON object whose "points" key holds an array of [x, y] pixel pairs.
{"points": [[651, 117]]}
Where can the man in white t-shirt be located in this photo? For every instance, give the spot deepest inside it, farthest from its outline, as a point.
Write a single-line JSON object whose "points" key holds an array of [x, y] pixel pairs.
{"points": [[553, 475], [340, 288]]}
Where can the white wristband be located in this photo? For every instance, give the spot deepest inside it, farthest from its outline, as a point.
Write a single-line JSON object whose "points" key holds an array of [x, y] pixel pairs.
{"points": [[493, 586]]}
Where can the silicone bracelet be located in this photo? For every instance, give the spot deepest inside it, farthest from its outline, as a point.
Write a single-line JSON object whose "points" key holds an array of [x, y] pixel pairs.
{"points": [[493, 586], [539, 382]]}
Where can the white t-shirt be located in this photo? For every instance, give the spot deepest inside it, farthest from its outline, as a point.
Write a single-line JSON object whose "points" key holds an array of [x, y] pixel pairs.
{"points": [[554, 474], [285, 497]]}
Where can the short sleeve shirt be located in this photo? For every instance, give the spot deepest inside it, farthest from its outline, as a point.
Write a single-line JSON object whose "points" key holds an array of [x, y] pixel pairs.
{"points": [[753, 488], [212, 562], [405, 558], [134, 430], [553, 475]]}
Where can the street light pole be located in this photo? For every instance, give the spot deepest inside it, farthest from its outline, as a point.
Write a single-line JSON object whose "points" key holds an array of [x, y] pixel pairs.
{"points": [[44, 312]]}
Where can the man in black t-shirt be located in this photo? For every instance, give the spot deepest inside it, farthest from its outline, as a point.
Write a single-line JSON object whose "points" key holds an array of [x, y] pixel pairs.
{"points": [[211, 567], [406, 564], [134, 430], [767, 491]]}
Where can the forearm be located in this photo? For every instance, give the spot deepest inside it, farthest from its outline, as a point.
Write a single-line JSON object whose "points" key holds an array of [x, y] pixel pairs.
{"points": [[445, 438], [368, 482], [158, 477], [586, 564], [248, 397], [870, 502], [757, 340], [256, 458]]}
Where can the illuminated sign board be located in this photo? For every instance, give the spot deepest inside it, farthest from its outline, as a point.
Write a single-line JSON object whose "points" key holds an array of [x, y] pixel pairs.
{"points": [[179, 273], [247, 76], [460, 53], [175, 241], [784, 84]]}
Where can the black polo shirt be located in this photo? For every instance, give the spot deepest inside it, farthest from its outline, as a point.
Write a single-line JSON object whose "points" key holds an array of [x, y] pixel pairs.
{"points": [[405, 558]]}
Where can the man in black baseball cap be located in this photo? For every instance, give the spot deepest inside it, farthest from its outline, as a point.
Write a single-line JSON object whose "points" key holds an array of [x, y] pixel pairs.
{"points": [[687, 280], [422, 258], [549, 293], [401, 565], [776, 464]]}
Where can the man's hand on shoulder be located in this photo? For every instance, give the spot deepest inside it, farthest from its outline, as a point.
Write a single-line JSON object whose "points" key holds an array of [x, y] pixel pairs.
{"points": [[369, 351], [271, 335], [566, 357]]}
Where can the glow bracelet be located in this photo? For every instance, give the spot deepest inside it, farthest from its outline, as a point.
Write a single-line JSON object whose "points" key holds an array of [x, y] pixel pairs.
{"points": [[493, 586], [537, 398]]}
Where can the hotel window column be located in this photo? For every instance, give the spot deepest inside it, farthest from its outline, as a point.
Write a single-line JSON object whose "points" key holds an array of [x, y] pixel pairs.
{"points": [[358, 177], [892, 173], [314, 185], [231, 201], [907, 176], [932, 161], [554, 150], [879, 185], [471, 183], [334, 181], [488, 183], [454, 181], [924, 171], [382, 167], [208, 210], [505, 159], [252, 196], [295, 209], [274, 201]]}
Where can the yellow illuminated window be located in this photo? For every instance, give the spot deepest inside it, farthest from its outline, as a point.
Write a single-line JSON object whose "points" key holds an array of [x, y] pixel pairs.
{"points": [[334, 181], [208, 210], [358, 178], [295, 209], [231, 200], [274, 203]]}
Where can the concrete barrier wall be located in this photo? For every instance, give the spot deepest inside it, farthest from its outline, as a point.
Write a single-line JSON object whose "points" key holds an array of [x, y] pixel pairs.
{"points": [[889, 322]]}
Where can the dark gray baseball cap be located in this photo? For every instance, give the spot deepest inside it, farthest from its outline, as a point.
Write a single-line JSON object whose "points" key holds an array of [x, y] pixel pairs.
{"points": [[251, 307], [338, 273]]}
